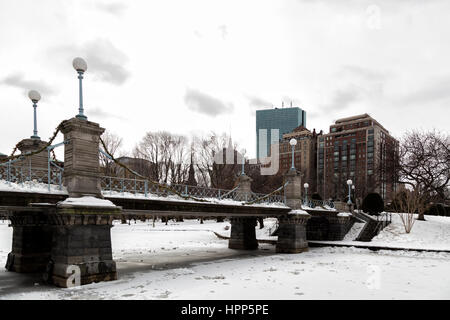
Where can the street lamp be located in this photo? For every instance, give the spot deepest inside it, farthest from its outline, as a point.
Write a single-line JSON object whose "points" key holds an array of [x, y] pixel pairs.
{"points": [[349, 183], [34, 97], [80, 66], [243, 162], [306, 185], [293, 142]]}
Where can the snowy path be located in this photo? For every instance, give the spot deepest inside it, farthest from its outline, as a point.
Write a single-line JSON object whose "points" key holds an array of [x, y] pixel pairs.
{"points": [[195, 264]]}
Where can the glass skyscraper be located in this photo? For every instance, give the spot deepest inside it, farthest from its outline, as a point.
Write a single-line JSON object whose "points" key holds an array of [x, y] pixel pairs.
{"points": [[283, 119]]}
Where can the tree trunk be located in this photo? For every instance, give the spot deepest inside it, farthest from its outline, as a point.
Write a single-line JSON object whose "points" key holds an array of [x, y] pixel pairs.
{"points": [[261, 223], [421, 216]]}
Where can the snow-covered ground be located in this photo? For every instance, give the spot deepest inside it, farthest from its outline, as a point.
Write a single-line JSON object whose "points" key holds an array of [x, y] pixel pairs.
{"points": [[434, 234], [185, 260]]}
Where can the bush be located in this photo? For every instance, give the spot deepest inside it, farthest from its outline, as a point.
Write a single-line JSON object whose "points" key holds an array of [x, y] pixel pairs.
{"points": [[373, 204], [316, 196], [437, 209]]}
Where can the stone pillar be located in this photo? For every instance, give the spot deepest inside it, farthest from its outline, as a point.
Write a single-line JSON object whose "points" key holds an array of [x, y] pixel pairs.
{"points": [[243, 235], [37, 161], [81, 157], [31, 243], [243, 192], [293, 191], [292, 233], [81, 245]]}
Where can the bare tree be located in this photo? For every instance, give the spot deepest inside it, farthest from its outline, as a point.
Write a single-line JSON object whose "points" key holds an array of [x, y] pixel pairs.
{"points": [[424, 164], [113, 143], [168, 154], [214, 167], [408, 203]]}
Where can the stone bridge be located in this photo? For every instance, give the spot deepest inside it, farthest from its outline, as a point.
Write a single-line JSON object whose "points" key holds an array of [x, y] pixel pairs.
{"points": [[58, 233]]}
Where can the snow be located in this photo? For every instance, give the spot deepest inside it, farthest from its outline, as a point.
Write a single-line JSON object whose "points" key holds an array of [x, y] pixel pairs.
{"points": [[434, 233], [39, 187], [31, 186], [299, 212], [344, 214], [354, 231], [166, 262], [129, 195], [320, 208], [86, 201]]}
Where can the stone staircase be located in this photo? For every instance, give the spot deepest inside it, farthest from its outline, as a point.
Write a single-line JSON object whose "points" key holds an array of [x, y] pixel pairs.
{"points": [[372, 226]]}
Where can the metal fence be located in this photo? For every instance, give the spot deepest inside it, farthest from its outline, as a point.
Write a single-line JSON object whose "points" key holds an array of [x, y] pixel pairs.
{"points": [[146, 188], [20, 173], [325, 204]]}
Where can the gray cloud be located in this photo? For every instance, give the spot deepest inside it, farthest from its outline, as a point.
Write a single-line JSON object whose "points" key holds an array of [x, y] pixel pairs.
{"points": [[115, 8], [98, 112], [257, 102], [105, 61], [362, 73], [435, 90], [206, 104], [223, 31], [18, 80]]}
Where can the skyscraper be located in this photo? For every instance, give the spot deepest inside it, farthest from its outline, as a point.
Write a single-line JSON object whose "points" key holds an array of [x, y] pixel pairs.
{"points": [[283, 119]]}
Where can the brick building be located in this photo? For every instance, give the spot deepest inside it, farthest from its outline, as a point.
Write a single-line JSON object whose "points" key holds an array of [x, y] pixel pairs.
{"points": [[305, 154], [357, 148]]}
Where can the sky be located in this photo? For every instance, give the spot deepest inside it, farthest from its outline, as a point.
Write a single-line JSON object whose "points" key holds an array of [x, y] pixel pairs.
{"points": [[192, 67]]}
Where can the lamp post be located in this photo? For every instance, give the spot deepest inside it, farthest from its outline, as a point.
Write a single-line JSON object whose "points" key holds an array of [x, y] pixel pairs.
{"points": [[34, 97], [306, 186], [80, 66], [293, 142], [349, 202], [243, 162]]}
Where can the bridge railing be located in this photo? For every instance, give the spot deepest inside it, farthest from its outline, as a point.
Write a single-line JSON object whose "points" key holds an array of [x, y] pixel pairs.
{"points": [[21, 172], [312, 203], [145, 187]]}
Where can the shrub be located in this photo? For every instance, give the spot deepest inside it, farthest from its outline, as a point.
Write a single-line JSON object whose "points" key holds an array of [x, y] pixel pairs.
{"points": [[373, 204], [316, 196]]}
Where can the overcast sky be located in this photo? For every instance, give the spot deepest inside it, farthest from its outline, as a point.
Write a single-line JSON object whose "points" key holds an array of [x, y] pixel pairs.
{"points": [[196, 66]]}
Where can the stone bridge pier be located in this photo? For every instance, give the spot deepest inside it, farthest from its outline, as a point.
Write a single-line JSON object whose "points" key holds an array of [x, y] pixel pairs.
{"points": [[70, 241], [292, 226], [243, 234]]}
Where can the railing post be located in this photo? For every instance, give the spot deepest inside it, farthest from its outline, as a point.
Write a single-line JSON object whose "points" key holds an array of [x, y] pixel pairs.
{"points": [[122, 185], [8, 173], [60, 179], [110, 186], [48, 168], [29, 162], [134, 185], [186, 190], [146, 188]]}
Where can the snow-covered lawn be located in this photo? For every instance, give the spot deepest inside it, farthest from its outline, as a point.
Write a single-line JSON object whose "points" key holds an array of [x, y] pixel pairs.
{"points": [[434, 233], [186, 260]]}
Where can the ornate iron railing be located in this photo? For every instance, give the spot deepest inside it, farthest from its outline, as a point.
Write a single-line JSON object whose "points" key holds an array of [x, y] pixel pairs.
{"points": [[21, 173], [115, 185], [311, 203]]}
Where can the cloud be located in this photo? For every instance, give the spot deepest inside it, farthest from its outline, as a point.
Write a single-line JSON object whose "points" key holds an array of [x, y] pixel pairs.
{"points": [[115, 8], [97, 112], [435, 90], [362, 73], [18, 80], [206, 104], [223, 31], [105, 61], [257, 102]]}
